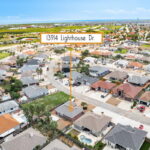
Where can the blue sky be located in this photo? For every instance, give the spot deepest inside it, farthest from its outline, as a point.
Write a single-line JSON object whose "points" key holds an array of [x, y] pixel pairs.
{"points": [[28, 11]]}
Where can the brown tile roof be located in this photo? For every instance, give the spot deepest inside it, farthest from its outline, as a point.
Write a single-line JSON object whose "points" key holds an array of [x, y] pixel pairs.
{"points": [[129, 90], [135, 64], [7, 122], [103, 84], [145, 96], [101, 53]]}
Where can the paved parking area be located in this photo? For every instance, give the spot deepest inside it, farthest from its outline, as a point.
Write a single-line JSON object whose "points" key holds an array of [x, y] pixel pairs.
{"points": [[125, 105], [97, 95], [114, 101], [108, 148]]}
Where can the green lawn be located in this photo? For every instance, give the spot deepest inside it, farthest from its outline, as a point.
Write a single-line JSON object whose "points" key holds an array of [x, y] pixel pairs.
{"points": [[50, 101], [4, 55], [145, 146], [146, 45], [53, 29], [123, 51]]}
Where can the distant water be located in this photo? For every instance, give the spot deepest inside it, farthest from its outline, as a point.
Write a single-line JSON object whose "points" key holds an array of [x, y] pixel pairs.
{"points": [[107, 21]]}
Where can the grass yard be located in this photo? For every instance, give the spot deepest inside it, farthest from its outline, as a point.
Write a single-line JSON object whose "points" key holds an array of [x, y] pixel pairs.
{"points": [[74, 133], [123, 51], [4, 55], [50, 101], [146, 45], [145, 146]]}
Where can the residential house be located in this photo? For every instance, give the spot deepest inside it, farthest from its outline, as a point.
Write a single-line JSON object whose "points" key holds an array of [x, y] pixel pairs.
{"points": [[138, 80], [127, 91], [66, 60], [8, 107], [11, 61], [121, 63], [90, 60], [75, 76], [28, 68], [145, 98], [125, 137], [86, 80], [118, 76], [34, 62], [27, 81], [147, 68], [41, 57], [34, 91], [59, 145], [92, 123], [135, 65], [26, 140], [8, 125], [103, 86], [97, 71], [64, 111], [2, 75]]}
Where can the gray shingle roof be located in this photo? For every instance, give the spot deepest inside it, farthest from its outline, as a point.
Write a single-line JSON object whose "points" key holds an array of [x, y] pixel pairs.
{"points": [[75, 75], [88, 79], [98, 69], [67, 58], [32, 62], [93, 122], [138, 79], [28, 80], [24, 142], [126, 136], [35, 91], [27, 68], [64, 111], [8, 105]]}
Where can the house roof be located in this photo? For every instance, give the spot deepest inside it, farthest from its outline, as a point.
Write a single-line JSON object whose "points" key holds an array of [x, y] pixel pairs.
{"points": [[29, 68], [59, 145], [103, 84], [27, 141], [138, 79], [126, 136], [129, 90], [122, 62], [28, 80], [33, 62], [88, 79], [7, 122], [67, 58], [93, 121], [8, 105], [75, 75], [135, 64], [34, 91], [98, 69], [145, 97], [118, 75], [63, 110]]}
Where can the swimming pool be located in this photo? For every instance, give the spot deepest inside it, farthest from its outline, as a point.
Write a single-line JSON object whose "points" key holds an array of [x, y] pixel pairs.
{"points": [[85, 140]]}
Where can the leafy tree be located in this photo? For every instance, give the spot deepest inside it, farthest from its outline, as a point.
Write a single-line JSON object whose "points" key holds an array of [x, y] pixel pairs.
{"points": [[14, 95], [85, 53], [20, 62]]}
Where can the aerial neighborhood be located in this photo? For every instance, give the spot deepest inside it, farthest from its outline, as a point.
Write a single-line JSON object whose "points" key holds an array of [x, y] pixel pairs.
{"points": [[109, 108]]}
